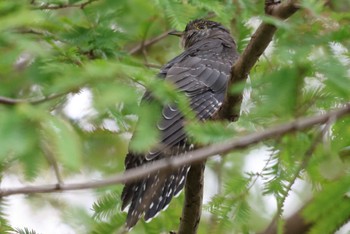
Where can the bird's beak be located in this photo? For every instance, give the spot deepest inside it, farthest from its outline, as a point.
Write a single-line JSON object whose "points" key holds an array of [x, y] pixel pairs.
{"points": [[176, 33]]}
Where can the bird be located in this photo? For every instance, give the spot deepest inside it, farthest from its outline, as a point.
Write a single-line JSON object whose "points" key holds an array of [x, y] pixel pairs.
{"points": [[201, 72]]}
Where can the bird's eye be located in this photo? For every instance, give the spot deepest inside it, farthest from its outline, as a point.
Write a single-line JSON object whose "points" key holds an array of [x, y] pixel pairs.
{"points": [[200, 26]]}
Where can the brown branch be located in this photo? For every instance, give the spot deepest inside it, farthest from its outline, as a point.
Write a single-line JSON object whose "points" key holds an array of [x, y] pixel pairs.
{"points": [[150, 65], [30, 31], [33, 101], [49, 6], [38, 32], [192, 209], [149, 42], [189, 158], [257, 45]]}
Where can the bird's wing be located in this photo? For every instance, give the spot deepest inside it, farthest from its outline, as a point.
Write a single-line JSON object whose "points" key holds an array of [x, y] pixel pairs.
{"points": [[203, 79]]}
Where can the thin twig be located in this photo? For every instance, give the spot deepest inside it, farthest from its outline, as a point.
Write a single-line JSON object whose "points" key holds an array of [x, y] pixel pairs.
{"points": [[143, 48], [53, 162], [149, 42], [150, 65], [38, 32], [33, 101], [29, 31], [189, 158], [49, 6], [259, 174], [145, 43]]}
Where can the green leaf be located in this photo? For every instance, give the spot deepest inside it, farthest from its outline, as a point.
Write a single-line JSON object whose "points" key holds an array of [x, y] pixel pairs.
{"points": [[4, 223], [17, 133], [106, 206], [146, 134], [282, 91], [178, 14], [210, 132], [25, 231], [335, 207], [276, 22], [74, 1], [337, 79], [63, 141], [113, 224]]}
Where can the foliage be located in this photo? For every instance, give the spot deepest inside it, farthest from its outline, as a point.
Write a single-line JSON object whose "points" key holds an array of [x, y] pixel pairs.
{"points": [[62, 54], [25, 231]]}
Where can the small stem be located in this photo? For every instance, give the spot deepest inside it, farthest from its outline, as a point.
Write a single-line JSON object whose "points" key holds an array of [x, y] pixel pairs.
{"points": [[49, 6], [149, 42], [33, 101]]}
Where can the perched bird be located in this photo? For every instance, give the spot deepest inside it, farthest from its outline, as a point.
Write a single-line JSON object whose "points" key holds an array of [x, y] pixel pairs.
{"points": [[201, 72]]}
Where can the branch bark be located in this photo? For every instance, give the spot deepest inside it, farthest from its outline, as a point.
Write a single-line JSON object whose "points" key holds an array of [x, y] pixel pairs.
{"points": [[193, 157], [192, 209]]}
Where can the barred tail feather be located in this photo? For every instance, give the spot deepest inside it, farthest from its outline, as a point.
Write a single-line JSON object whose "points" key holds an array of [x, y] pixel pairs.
{"points": [[151, 195]]}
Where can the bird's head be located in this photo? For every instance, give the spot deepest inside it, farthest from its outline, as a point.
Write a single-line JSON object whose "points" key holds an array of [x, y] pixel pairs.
{"points": [[198, 30]]}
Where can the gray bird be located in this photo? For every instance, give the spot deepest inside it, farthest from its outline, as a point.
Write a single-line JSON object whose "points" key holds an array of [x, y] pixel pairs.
{"points": [[201, 72]]}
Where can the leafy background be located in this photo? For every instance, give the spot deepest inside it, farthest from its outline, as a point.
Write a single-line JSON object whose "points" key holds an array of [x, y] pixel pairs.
{"points": [[82, 57]]}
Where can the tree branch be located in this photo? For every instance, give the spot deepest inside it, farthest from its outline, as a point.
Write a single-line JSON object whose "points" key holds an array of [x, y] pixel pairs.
{"points": [[257, 45], [192, 209], [49, 6], [53, 162], [193, 157]]}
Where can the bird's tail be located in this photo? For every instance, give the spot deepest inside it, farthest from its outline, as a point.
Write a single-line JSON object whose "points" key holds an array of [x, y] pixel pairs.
{"points": [[152, 194]]}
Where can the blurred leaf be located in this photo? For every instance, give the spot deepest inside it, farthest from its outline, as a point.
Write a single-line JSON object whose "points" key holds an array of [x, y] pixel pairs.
{"points": [[16, 133], [63, 142], [146, 134], [4, 223], [210, 132], [25, 231], [304, 72], [335, 207], [282, 91], [106, 206], [177, 13], [337, 76], [276, 22]]}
